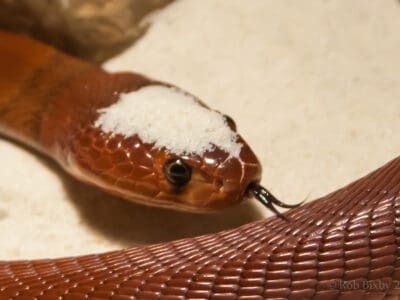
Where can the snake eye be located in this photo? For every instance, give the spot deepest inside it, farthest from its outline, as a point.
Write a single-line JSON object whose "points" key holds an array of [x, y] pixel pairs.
{"points": [[230, 122], [177, 172]]}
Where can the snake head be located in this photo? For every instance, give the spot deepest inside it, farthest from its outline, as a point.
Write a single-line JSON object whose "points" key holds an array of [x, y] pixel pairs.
{"points": [[153, 143], [211, 181]]}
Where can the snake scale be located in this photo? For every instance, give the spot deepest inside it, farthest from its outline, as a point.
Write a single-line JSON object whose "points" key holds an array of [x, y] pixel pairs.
{"points": [[342, 246]]}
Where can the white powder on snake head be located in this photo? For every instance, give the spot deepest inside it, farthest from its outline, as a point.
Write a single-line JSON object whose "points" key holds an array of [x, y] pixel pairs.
{"points": [[170, 119]]}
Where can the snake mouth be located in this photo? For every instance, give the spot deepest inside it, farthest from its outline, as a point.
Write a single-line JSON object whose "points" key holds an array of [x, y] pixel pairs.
{"points": [[268, 200]]}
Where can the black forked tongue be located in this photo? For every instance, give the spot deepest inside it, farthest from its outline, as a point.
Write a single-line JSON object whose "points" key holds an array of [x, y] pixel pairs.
{"points": [[267, 199]]}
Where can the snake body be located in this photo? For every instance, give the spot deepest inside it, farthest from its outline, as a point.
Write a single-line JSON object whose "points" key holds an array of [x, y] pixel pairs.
{"points": [[342, 246]]}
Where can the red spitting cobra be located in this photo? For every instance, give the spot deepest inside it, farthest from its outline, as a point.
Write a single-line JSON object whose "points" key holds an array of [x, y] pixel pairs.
{"points": [[342, 246]]}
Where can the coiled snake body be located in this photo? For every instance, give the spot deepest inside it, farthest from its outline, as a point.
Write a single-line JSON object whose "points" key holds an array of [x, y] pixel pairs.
{"points": [[342, 246]]}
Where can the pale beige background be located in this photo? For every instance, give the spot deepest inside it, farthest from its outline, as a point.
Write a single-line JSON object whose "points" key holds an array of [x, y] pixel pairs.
{"points": [[313, 85]]}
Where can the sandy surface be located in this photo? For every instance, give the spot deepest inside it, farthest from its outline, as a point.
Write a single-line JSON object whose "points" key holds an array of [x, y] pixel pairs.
{"points": [[314, 87]]}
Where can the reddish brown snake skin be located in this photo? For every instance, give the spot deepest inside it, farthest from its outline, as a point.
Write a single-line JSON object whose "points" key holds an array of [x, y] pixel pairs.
{"points": [[342, 246]]}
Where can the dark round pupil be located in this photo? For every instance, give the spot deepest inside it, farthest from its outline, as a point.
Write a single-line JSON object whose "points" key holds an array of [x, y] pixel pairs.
{"points": [[177, 172]]}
